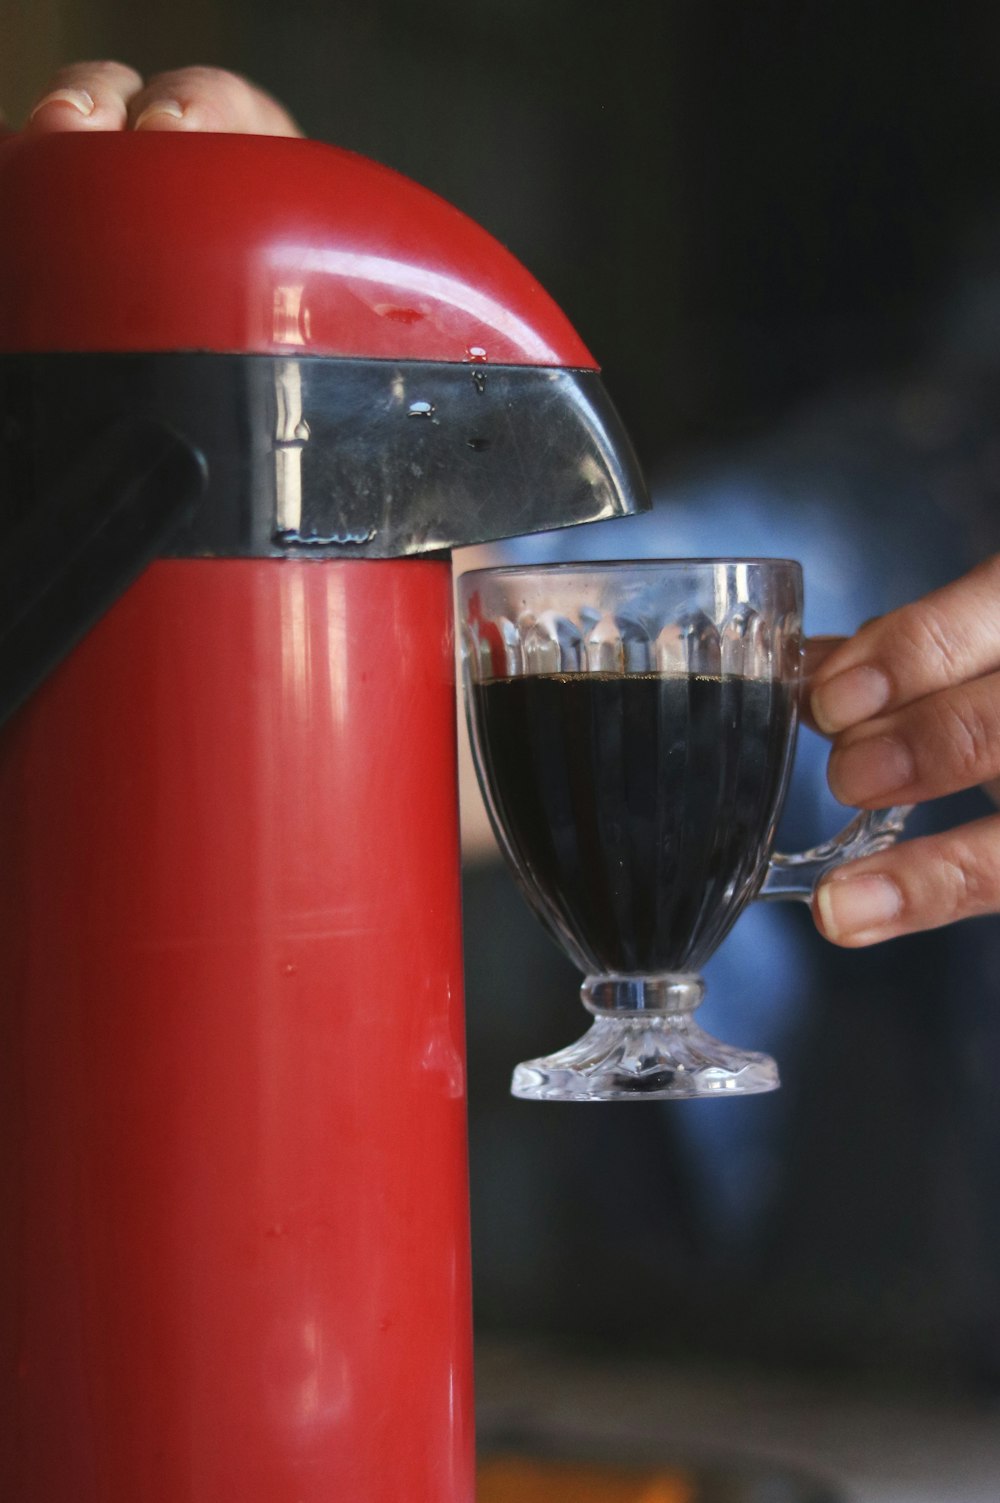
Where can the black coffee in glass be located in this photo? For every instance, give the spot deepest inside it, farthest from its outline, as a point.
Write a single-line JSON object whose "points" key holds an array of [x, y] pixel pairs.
{"points": [[641, 807]]}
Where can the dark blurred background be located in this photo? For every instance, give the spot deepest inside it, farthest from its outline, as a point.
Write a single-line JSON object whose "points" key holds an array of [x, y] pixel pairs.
{"points": [[778, 228]]}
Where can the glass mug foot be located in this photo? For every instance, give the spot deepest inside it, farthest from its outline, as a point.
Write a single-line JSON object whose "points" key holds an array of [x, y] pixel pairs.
{"points": [[644, 1045]]}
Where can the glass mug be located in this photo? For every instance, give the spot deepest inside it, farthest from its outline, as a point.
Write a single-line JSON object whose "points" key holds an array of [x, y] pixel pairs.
{"points": [[633, 727]]}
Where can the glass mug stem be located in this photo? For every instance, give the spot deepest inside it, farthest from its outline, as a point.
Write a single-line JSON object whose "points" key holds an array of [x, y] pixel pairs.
{"points": [[638, 996]]}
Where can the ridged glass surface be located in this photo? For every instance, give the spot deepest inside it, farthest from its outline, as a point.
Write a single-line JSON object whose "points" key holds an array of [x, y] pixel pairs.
{"points": [[639, 808]]}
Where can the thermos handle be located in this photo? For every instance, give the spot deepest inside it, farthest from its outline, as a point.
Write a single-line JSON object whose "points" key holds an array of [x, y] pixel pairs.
{"points": [[67, 562]]}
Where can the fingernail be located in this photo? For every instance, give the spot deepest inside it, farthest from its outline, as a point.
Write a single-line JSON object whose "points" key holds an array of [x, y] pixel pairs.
{"points": [[869, 770], [849, 698], [168, 107], [857, 907], [78, 98]]}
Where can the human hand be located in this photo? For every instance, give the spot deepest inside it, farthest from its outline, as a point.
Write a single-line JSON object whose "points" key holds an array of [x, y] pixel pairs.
{"points": [[111, 96], [912, 702]]}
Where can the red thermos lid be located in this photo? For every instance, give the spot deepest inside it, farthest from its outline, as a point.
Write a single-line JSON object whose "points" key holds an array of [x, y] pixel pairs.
{"points": [[246, 347], [254, 245]]}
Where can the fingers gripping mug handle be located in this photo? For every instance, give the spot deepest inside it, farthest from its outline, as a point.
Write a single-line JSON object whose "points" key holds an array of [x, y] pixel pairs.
{"points": [[797, 876]]}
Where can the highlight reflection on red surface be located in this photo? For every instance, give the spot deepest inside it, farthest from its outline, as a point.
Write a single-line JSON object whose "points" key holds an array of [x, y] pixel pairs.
{"points": [[234, 1256]]}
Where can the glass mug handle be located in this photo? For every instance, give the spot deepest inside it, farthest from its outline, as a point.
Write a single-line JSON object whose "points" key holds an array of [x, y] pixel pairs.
{"points": [[797, 876]]}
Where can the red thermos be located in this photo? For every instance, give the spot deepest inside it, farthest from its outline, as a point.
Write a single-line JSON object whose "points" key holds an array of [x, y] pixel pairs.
{"points": [[251, 392]]}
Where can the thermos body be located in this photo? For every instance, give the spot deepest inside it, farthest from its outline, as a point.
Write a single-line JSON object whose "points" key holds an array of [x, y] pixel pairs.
{"points": [[232, 1122], [242, 422]]}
